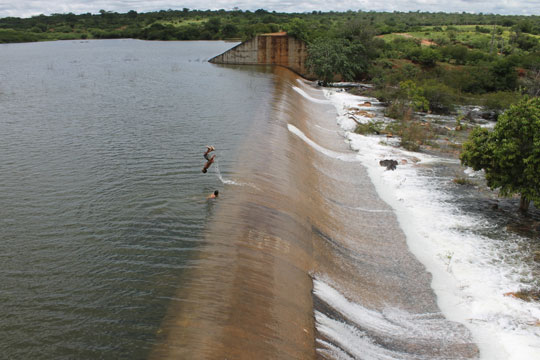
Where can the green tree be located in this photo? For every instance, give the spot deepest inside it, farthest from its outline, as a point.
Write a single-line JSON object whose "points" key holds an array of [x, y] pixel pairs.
{"points": [[298, 29], [414, 95], [458, 53], [324, 57], [503, 75], [425, 56], [441, 98], [230, 30], [510, 155], [328, 57], [213, 25]]}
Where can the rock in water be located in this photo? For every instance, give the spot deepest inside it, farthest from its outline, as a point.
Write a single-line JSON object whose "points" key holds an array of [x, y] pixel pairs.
{"points": [[389, 164]]}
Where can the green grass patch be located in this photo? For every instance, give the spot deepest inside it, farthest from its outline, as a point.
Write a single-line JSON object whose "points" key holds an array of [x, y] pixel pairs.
{"points": [[462, 181], [369, 128]]}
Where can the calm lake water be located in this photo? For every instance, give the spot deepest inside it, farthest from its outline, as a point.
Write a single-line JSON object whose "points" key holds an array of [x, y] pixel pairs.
{"points": [[102, 199]]}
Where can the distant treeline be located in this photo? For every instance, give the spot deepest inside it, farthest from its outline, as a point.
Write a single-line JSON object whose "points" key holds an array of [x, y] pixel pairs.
{"points": [[418, 61], [216, 25]]}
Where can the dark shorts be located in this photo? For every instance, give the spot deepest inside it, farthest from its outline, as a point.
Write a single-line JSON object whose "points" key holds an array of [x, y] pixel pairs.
{"points": [[206, 157]]}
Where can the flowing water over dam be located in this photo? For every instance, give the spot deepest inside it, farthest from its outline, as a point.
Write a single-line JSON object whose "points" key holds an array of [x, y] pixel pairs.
{"points": [[109, 248], [307, 261]]}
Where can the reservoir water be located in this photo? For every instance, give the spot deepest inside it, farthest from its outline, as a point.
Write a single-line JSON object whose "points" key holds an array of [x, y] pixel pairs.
{"points": [[102, 199], [110, 249]]}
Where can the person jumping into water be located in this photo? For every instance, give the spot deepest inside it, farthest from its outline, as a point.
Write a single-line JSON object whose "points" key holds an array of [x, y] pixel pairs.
{"points": [[209, 161], [209, 149]]}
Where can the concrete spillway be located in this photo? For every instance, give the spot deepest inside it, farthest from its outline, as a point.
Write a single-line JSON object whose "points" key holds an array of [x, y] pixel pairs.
{"points": [[305, 261], [268, 49]]}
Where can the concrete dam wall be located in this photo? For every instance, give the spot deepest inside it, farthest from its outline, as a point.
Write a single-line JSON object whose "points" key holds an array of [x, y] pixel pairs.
{"points": [[269, 49]]}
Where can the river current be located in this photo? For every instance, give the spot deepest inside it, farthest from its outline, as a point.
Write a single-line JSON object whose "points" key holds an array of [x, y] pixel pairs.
{"points": [[110, 249]]}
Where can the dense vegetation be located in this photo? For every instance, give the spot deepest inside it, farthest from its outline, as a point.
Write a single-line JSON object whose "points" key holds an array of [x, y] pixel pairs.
{"points": [[214, 25], [510, 155], [448, 57], [418, 61]]}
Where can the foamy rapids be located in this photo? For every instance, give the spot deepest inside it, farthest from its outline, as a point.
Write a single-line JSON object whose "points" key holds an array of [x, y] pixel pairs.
{"points": [[470, 272]]}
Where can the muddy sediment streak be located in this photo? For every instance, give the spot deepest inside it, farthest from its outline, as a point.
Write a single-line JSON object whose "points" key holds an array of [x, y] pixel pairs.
{"points": [[302, 260]]}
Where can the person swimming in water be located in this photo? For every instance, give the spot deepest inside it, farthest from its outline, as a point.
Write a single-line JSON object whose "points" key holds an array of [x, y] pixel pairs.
{"points": [[213, 195], [208, 163]]}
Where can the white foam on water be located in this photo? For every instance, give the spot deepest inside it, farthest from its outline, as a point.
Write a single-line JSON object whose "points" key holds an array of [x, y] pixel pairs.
{"points": [[391, 322], [352, 341], [489, 125], [310, 98], [370, 210], [319, 148], [331, 351], [471, 173], [471, 273], [356, 337], [229, 181], [325, 129], [304, 82], [347, 105]]}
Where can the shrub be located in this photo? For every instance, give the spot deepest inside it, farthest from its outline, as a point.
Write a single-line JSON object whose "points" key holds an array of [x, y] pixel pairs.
{"points": [[230, 31], [398, 110], [458, 53], [385, 93], [414, 95], [63, 29], [503, 75], [441, 40], [483, 30], [501, 100], [426, 57], [12, 36], [369, 128], [526, 42], [440, 97], [476, 56], [482, 43], [462, 181], [404, 46], [413, 134]]}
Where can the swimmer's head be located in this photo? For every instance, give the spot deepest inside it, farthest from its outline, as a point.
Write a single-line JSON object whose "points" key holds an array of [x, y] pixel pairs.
{"points": [[216, 192], [204, 171]]}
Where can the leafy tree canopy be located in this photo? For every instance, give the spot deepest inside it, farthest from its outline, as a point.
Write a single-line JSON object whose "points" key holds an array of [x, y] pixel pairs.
{"points": [[510, 155], [330, 57]]}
